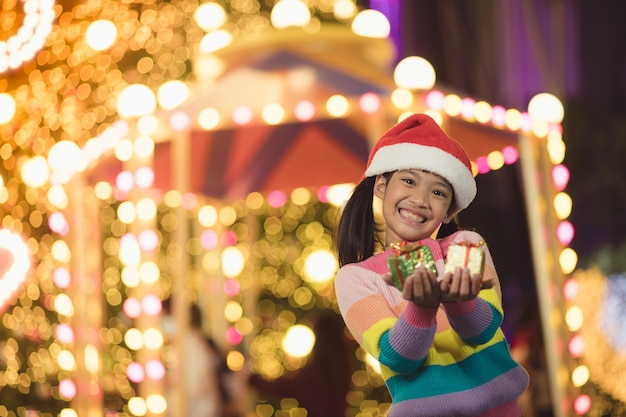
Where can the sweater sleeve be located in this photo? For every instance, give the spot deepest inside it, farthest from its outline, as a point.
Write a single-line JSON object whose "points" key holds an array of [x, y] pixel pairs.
{"points": [[476, 321], [398, 334]]}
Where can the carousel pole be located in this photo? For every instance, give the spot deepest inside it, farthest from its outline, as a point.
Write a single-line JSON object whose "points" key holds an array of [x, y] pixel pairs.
{"points": [[536, 184], [180, 302], [86, 295]]}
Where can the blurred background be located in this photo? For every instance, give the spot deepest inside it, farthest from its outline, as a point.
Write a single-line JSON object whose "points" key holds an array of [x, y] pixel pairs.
{"points": [[172, 173]]}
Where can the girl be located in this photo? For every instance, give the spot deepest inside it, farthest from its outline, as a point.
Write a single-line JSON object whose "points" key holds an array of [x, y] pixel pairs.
{"points": [[438, 340]]}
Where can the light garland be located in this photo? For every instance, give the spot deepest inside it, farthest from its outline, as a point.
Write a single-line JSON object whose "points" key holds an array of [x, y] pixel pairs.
{"points": [[30, 37]]}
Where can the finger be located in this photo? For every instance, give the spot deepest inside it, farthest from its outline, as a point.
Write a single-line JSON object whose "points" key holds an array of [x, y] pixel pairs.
{"points": [[476, 283], [465, 284], [455, 284]]}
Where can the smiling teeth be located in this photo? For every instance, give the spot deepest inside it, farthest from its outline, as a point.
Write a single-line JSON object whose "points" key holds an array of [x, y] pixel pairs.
{"points": [[413, 216]]}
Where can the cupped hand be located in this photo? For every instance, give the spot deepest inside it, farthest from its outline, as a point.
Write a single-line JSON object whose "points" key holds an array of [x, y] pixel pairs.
{"points": [[421, 288], [460, 286]]}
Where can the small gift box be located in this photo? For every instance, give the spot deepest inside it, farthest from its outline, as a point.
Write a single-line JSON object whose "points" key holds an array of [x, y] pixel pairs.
{"points": [[465, 255], [406, 258]]}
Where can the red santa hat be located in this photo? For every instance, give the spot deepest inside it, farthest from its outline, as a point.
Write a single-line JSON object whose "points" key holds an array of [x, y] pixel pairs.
{"points": [[418, 142]]}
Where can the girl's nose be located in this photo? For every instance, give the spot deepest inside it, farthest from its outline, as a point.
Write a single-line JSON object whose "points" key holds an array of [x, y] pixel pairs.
{"points": [[418, 197]]}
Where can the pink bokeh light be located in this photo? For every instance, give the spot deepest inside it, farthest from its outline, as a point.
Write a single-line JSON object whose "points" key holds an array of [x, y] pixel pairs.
{"points": [[369, 103], [148, 240], [565, 232], [61, 277], [276, 199], [304, 110], [233, 336], [231, 287], [242, 115], [132, 307], [155, 370], [482, 164], [582, 404], [135, 372], [576, 346], [67, 388], [435, 100], [144, 177], [560, 177], [208, 239], [229, 238], [510, 154], [125, 181], [58, 223], [64, 333], [151, 305]]}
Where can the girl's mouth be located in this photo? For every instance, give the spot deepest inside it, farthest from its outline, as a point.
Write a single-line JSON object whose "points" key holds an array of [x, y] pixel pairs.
{"points": [[411, 216]]}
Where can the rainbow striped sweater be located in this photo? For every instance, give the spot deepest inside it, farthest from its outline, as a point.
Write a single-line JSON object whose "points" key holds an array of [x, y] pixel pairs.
{"points": [[453, 361]]}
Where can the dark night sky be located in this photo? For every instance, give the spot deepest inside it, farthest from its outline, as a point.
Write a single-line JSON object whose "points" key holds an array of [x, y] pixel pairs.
{"points": [[506, 52]]}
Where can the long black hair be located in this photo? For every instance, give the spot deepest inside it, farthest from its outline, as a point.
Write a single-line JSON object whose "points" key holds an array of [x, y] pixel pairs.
{"points": [[357, 233]]}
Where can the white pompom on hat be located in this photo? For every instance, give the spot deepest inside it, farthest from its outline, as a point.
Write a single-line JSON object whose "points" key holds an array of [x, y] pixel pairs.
{"points": [[418, 142]]}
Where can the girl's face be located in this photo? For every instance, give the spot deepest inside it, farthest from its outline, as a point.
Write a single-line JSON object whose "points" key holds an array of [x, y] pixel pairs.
{"points": [[415, 204]]}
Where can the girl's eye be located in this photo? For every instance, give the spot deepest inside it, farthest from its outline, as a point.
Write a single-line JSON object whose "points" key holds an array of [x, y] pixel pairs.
{"points": [[408, 181], [440, 193]]}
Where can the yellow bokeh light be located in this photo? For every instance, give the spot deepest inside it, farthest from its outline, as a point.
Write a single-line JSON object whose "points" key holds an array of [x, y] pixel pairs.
{"points": [[130, 277], [133, 339], [207, 216], [574, 318], [137, 406], [402, 98], [146, 209], [288, 13], [452, 105], [152, 338], [63, 305], [337, 105], [35, 171], [124, 150], [144, 146], [101, 34], [233, 311], [103, 190], [172, 94], [210, 16], [126, 212], [227, 216], [300, 196], [371, 23], [149, 272], [7, 108], [562, 205], [233, 262], [68, 412], [298, 341], [61, 252], [66, 360], [580, 375], [568, 260], [235, 360], [320, 266], [92, 359], [208, 118], [273, 113], [156, 403], [57, 196], [414, 73], [495, 160], [482, 111]]}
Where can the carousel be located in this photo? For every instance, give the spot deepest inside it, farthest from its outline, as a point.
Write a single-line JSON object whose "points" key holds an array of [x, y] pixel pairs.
{"points": [[164, 154]]}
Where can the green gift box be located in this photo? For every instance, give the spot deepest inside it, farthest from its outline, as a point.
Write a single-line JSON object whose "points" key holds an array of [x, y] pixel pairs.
{"points": [[406, 258]]}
